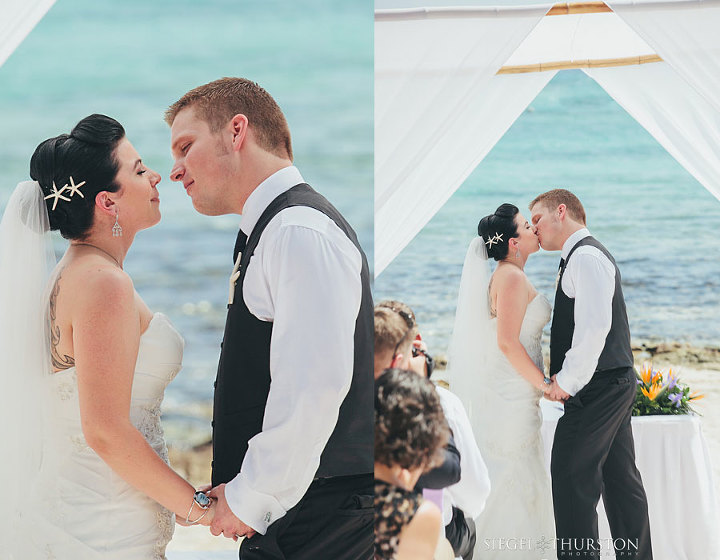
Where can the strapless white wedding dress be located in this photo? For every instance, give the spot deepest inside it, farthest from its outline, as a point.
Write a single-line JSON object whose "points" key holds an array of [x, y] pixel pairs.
{"points": [[506, 422], [80, 509]]}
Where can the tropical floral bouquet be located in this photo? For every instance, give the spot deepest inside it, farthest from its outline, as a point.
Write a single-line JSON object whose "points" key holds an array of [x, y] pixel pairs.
{"points": [[660, 394]]}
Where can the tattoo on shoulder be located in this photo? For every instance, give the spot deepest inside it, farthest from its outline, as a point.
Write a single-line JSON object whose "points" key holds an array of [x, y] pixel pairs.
{"points": [[59, 362]]}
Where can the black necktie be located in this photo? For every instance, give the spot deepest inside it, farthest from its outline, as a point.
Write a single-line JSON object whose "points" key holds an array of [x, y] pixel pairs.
{"points": [[560, 271], [240, 243]]}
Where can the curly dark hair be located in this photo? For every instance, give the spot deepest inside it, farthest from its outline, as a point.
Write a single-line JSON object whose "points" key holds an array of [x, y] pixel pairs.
{"points": [[410, 426]]}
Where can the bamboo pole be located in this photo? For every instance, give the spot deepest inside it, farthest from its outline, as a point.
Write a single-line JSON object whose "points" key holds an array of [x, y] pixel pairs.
{"points": [[571, 64], [561, 9], [568, 8]]}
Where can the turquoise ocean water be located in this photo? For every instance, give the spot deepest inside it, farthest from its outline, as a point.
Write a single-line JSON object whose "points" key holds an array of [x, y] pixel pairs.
{"points": [[131, 60], [657, 220]]}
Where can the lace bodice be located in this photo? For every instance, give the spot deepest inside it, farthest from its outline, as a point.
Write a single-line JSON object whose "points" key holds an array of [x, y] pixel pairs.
{"points": [[537, 315], [93, 512]]}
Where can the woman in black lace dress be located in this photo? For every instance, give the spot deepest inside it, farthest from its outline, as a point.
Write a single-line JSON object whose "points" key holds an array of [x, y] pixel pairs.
{"points": [[410, 432]]}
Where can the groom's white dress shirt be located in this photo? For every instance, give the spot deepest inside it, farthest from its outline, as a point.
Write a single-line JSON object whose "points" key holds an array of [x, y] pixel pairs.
{"points": [[589, 278], [305, 278]]}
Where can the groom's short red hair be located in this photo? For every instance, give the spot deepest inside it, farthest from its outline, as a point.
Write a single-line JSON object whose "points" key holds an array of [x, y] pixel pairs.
{"points": [[219, 101], [554, 198]]}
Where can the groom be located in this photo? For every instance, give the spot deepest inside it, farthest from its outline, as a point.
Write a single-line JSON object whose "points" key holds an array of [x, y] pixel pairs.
{"points": [[293, 412], [591, 364]]}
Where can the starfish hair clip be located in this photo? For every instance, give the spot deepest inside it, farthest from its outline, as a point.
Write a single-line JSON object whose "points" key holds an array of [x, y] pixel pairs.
{"points": [[72, 189], [494, 240]]}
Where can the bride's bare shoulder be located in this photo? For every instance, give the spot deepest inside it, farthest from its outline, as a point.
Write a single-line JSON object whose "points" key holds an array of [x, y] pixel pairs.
{"points": [[509, 277], [92, 280]]}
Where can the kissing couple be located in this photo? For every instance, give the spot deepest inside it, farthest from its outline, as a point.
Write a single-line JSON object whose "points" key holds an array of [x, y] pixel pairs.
{"points": [[87, 362], [496, 361]]}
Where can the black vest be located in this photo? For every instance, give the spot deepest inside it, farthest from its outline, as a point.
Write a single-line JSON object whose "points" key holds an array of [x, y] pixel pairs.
{"points": [[617, 352], [243, 378]]}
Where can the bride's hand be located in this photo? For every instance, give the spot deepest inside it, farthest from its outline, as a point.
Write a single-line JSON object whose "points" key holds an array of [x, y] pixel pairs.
{"points": [[556, 391], [544, 387], [206, 520], [210, 515], [547, 390]]}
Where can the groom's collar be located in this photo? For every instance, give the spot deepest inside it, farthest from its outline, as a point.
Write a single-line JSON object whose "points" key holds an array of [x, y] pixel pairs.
{"points": [[267, 191], [573, 240]]}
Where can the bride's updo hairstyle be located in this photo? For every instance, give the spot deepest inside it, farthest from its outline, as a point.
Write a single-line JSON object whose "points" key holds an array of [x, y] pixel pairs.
{"points": [[86, 154], [501, 223]]}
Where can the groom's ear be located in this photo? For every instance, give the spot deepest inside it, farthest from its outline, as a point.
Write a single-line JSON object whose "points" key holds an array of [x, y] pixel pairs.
{"points": [[561, 210], [239, 129]]}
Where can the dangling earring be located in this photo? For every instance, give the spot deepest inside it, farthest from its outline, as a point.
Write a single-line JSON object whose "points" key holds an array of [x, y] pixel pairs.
{"points": [[117, 229], [517, 253]]}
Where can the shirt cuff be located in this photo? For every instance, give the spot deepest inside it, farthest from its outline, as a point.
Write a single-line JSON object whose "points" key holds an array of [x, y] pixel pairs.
{"points": [[253, 508], [568, 383]]}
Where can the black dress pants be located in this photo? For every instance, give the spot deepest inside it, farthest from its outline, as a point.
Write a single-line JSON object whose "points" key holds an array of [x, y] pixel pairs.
{"points": [[460, 533], [593, 454], [333, 520]]}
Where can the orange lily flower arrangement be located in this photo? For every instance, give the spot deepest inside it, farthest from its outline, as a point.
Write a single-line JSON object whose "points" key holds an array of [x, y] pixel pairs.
{"points": [[660, 394]]}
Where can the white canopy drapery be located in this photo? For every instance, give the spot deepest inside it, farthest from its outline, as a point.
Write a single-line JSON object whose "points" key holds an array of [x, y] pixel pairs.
{"points": [[18, 19], [427, 144], [432, 69], [682, 121], [685, 34]]}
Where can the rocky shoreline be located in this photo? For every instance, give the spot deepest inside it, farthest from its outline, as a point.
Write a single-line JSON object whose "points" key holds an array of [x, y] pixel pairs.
{"points": [[662, 354], [678, 355]]}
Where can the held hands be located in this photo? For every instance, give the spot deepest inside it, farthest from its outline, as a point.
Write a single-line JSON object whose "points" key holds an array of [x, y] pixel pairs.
{"points": [[555, 393], [224, 521], [198, 516], [206, 520]]}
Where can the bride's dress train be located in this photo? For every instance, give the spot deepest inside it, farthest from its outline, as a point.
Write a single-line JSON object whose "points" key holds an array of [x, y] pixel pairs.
{"points": [[506, 421], [79, 508]]}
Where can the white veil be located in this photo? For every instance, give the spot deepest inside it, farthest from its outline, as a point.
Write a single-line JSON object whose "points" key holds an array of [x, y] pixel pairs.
{"points": [[26, 260], [472, 332]]}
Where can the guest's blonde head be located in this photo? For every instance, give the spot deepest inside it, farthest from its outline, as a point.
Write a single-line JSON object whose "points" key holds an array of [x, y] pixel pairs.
{"points": [[395, 330]]}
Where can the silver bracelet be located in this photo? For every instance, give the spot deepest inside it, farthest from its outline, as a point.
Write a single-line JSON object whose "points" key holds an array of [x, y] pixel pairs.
{"points": [[203, 502], [204, 513]]}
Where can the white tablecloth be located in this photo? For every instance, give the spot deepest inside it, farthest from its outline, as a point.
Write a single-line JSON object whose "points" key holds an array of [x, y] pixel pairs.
{"points": [[674, 462]]}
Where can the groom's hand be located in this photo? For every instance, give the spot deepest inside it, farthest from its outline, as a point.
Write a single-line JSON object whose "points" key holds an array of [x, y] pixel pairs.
{"points": [[225, 521], [556, 392]]}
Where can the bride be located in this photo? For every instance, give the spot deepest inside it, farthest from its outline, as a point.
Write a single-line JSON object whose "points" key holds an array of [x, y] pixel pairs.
{"points": [[86, 361], [496, 364]]}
